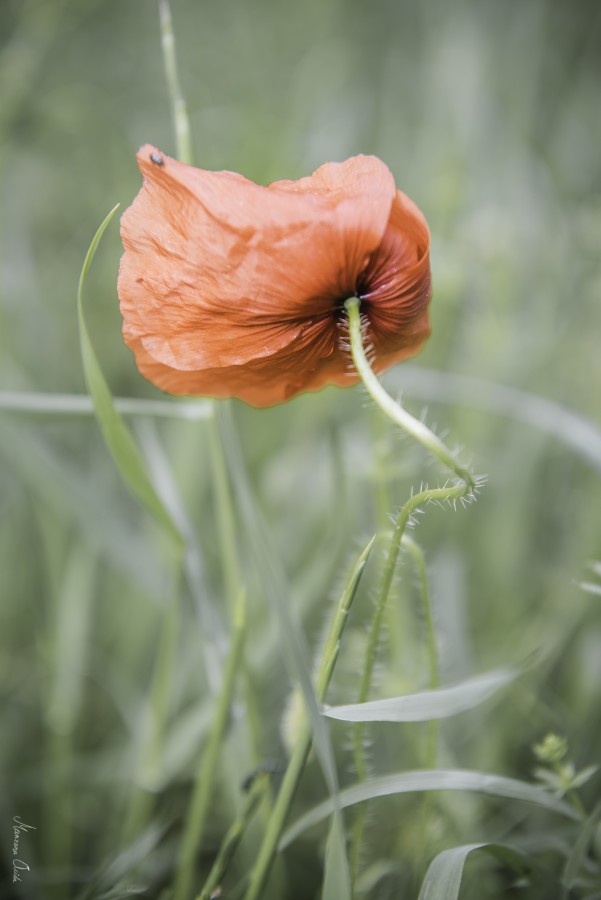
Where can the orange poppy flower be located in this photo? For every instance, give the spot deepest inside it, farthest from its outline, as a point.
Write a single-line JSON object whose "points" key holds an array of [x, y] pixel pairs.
{"points": [[229, 289]]}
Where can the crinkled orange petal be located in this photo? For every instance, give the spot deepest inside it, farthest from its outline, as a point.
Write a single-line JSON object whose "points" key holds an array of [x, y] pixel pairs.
{"points": [[396, 285], [219, 271], [259, 382], [232, 289]]}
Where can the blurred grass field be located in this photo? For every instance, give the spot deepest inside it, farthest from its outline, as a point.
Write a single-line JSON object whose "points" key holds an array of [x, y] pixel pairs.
{"points": [[488, 114]]}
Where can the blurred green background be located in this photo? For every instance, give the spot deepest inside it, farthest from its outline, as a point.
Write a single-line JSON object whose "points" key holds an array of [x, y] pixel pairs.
{"points": [[488, 114]]}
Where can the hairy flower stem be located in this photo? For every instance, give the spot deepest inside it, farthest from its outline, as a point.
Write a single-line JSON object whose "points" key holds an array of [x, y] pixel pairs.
{"points": [[420, 564], [431, 752], [394, 410], [464, 487]]}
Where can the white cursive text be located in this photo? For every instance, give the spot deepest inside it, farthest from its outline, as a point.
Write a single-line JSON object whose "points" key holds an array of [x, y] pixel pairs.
{"points": [[18, 864]]}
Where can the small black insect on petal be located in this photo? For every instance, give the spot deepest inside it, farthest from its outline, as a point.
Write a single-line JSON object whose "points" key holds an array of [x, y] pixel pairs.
{"points": [[157, 159]]}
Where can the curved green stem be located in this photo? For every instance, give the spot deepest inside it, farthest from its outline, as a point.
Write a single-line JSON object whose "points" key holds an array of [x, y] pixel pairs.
{"points": [[394, 410], [464, 488]]}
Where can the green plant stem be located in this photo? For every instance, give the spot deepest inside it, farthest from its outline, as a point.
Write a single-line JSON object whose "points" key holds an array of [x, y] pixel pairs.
{"points": [[465, 487], [226, 528], [419, 560], [279, 812], [234, 835], [205, 780], [379, 427], [300, 753], [82, 405], [433, 664], [394, 410], [431, 753], [181, 122]]}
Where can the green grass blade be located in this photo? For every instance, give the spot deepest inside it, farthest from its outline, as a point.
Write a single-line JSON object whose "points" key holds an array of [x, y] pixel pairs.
{"points": [[337, 877], [431, 780], [73, 616], [427, 705], [38, 402], [124, 450], [336, 882], [206, 776], [579, 851], [445, 873], [443, 878]]}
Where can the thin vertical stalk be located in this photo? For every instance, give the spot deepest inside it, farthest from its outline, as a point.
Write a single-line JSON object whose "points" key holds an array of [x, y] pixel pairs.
{"points": [[226, 527], [205, 779], [382, 504], [420, 564], [431, 752], [181, 123], [419, 561], [224, 504]]}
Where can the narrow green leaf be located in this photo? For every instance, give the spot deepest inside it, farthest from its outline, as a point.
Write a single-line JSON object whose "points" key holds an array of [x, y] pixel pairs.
{"points": [[82, 405], [426, 705], [72, 626], [583, 776], [337, 882], [430, 780], [580, 849], [443, 878], [122, 446]]}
